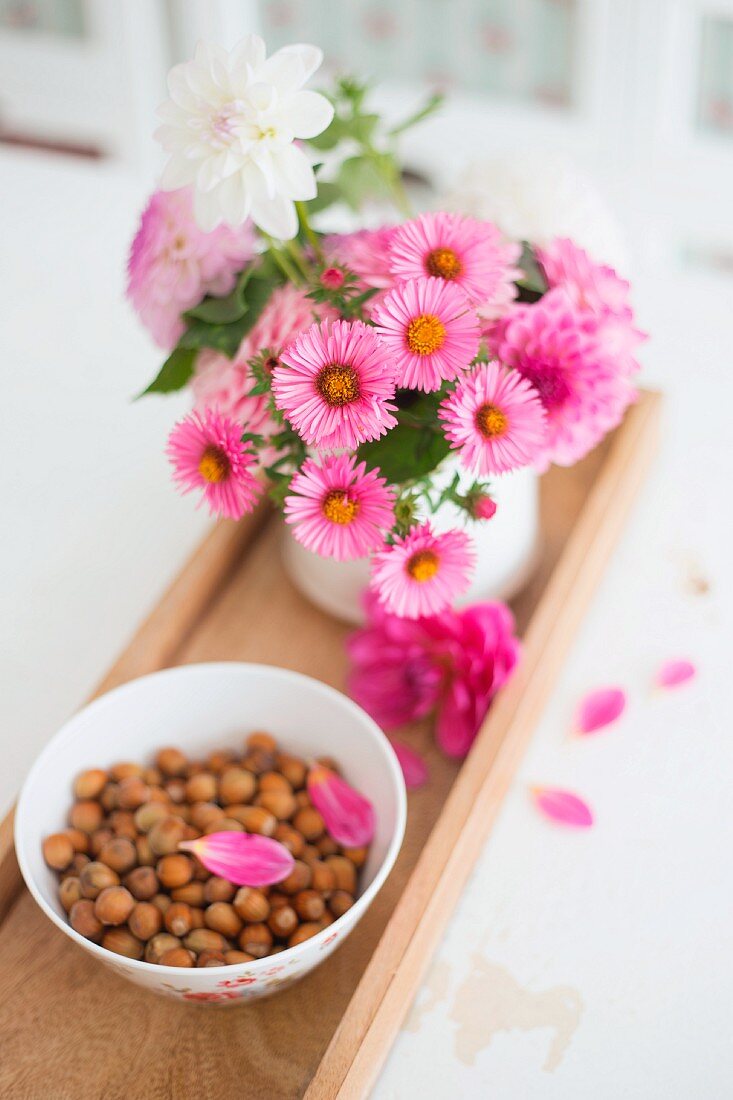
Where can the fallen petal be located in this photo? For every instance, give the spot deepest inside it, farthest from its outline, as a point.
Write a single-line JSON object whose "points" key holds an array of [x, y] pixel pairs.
{"points": [[599, 708], [563, 807], [675, 672], [349, 817], [414, 767], [245, 859]]}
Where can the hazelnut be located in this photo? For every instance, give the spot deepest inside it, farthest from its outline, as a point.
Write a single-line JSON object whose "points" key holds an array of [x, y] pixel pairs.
{"points": [[222, 917], [145, 920], [357, 856], [58, 851], [158, 945], [202, 939], [258, 761], [201, 787], [122, 823], [218, 889], [259, 740], [148, 814], [217, 761], [86, 816], [132, 793], [98, 839], [95, 877], [291, 838], [89, 784], [255, 819], [310, 854], [153, 776], [280, 803], [309, 822], [114, 905], [197, 918], [79, 840], [69, 892], [83, 920], [344, 873], [324, 879], [303, 932], [79, 861], [293, 769], [231, 958], [276, 899], [330, 763], [282, 922], [251, 905], [327, 846], [162, 902], [302, 799], [339, 902], [255, 940], [176, 790], [274, 781], [192, 893], [178, 919], [125, 770], [225, 825], [298, 879], [145, 854], [211, 958], [309, 905], [142, 883], [174, 870], [122, 942], [120, 854], [165, 836], [203, 813], [235, 786], [108, 797], [171, 762], [177, 956]]}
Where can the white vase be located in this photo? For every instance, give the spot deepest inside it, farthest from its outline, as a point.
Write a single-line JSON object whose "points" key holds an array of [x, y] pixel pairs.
{"points": [[507, 547]]}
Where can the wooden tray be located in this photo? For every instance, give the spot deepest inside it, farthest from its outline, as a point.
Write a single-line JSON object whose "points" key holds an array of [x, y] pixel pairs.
{"points": [[71, 1029]]}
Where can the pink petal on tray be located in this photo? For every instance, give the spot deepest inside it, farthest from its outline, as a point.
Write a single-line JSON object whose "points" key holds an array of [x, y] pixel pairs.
{"points": [[673, 673], [414, 767], [599, 708], [563, 806], [246, 859], [349, 817]]}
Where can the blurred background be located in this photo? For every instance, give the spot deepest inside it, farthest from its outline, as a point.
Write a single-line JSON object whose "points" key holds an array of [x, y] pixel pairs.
{"points": [[608, 120]]}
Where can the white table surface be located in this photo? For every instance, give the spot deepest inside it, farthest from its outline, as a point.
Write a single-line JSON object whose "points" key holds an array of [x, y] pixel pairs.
{"points": [[578, 963]]}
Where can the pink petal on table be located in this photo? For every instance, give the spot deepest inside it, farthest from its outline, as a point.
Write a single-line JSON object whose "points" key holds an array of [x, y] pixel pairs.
{"points": [[563, 807], [414, 767], [246, 859], [673, 673], [599, 708], [349, 817]]}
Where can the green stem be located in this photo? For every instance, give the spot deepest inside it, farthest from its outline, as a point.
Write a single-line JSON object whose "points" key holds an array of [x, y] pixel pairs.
{"points": [[309, 230], [290, 273], [299, 259]]}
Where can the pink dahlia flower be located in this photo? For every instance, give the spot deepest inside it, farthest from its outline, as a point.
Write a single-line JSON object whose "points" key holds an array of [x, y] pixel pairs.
{"points": [[452, 663], [495, 419], [469, 253], [335, 384], [598, 289], [173, 263], [365, 252], [423, 572], [206, 453], [225, 384], [563, 352], [429, 329], [338, 509]]}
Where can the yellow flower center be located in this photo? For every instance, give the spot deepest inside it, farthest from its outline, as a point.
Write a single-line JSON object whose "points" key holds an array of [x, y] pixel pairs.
{"points": [[425, 334], [491, 422], [338, 385], [443, 263], [423, 565], [214, 465], [339, 508]]}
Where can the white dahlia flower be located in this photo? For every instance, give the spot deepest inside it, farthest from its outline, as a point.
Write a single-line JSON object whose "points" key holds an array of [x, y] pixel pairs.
{"points": [[229, 127]]}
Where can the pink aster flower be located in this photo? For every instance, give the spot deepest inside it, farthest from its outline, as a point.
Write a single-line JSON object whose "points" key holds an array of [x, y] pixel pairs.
{"points": [[452, 663], [338, 509], [206, 453], [495, 419], [598, 289], [335, 384], [423, 572], [564, 353], [173, 263], [430, 329], [225, 384], [472, 254], [365, 252]]}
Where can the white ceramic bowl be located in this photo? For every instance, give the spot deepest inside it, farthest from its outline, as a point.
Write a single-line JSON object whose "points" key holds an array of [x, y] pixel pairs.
{"points": [[200, 708]]}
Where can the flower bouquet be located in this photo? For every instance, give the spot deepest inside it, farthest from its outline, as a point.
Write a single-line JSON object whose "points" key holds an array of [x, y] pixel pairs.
{"points": [[364, 380]]}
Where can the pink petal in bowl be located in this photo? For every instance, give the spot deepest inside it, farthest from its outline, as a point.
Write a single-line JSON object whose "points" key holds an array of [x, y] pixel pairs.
{"points": [[414, 767], [599, 708], [674, 673], [563, 807], [349, 817], [246, 859]]}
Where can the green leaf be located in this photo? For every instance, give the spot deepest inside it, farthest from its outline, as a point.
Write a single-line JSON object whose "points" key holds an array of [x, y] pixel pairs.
{"points": [[428, 108], [361, 178], [328, 194], [330, 137], [222, 311], [533, 279], [405, 453], [175, 372], [227, 337]]}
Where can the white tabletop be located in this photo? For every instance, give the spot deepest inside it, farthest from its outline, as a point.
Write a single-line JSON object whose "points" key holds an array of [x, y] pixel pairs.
{"points": [[578, 963]]}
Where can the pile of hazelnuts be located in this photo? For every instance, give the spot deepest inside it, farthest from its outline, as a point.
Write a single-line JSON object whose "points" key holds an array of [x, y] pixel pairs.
{"points": [[125, 885]]}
